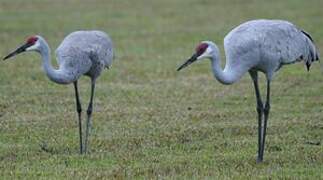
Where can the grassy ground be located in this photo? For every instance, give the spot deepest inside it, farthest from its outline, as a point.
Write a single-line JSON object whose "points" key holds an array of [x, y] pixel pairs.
{"points": [[149, 120]]}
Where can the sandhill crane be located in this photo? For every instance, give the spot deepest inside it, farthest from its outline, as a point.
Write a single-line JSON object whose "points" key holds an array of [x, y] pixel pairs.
{"points": [[80, 53], [258, 45]]}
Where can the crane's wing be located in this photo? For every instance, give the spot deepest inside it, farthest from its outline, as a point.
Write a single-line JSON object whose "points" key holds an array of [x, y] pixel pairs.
{"points": [[295, 45], [274, 41], [315, 54], [103, 47], [87, 43]]}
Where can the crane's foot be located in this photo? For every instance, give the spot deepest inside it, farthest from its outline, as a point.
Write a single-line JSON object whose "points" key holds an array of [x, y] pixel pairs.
{"points": [[259, 160]]}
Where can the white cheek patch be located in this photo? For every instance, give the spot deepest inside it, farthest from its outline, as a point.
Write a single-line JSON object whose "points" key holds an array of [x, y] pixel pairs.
{"points": [[206, 53], [33, 47]]}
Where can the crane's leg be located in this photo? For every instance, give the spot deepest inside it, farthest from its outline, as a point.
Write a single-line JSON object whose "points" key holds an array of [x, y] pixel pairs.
{"points": [[260, 110], [89, 114], [79, 111], [266, 114]]}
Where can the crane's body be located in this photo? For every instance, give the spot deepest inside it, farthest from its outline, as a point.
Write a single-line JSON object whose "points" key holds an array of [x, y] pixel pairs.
{"points": [[266, 45], [85, 53], [258, 45], [80, 53]]}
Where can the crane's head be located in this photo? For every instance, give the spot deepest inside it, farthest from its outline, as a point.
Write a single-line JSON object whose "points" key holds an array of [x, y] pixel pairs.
{"points": [[31, 44], [203, 50]]}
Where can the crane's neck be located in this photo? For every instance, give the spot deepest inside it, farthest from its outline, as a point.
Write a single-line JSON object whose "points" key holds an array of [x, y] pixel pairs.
{"points": [[56, 75], [226, 76]]}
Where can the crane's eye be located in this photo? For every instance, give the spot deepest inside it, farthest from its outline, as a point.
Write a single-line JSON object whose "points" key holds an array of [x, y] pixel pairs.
{"points": [[32, 40], [201, 48]]}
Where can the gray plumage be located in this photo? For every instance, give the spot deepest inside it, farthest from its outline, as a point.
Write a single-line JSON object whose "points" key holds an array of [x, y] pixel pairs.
{"points": [[85, 53], [266, 45], [258, 45], [80, 53]]}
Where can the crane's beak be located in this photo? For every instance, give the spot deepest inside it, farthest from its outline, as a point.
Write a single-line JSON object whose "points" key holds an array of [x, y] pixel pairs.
{"points": [[188, 62], [17, 51]]}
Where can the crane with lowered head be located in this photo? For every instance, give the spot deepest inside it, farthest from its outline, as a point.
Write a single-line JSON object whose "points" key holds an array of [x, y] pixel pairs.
{"points": [[80, 53], [258, 45]]}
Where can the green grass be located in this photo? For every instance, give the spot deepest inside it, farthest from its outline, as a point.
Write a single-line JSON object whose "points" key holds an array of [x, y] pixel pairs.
{"points": [[150, 121]]}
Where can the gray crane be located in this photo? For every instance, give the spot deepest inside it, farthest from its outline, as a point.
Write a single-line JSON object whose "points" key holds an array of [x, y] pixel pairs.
{"points": [[258, 45], [80, 53]]}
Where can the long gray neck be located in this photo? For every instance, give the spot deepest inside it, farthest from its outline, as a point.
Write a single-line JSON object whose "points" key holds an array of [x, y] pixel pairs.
{"points": [[56, 75], [226, 76]]}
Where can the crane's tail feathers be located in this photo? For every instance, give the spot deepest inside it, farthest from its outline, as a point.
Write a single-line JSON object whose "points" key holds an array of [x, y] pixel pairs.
{"points": [[308, 35], [312, 54]]}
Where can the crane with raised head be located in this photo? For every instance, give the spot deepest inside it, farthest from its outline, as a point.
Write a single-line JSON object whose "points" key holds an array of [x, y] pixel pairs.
{"points": [[80, 53], [258, 45]]}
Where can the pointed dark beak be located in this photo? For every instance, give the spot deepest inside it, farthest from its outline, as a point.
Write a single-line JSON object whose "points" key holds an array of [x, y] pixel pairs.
{"points": [[17, 51], [188, 62]]}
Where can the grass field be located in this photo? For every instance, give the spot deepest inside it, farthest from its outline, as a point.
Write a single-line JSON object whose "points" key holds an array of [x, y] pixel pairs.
{"points": [[149, 121]]}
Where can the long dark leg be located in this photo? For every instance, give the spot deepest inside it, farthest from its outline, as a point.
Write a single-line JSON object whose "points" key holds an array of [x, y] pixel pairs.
{"points": [[266, 114], [79, 111], [89, 114], [260, 110]]}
